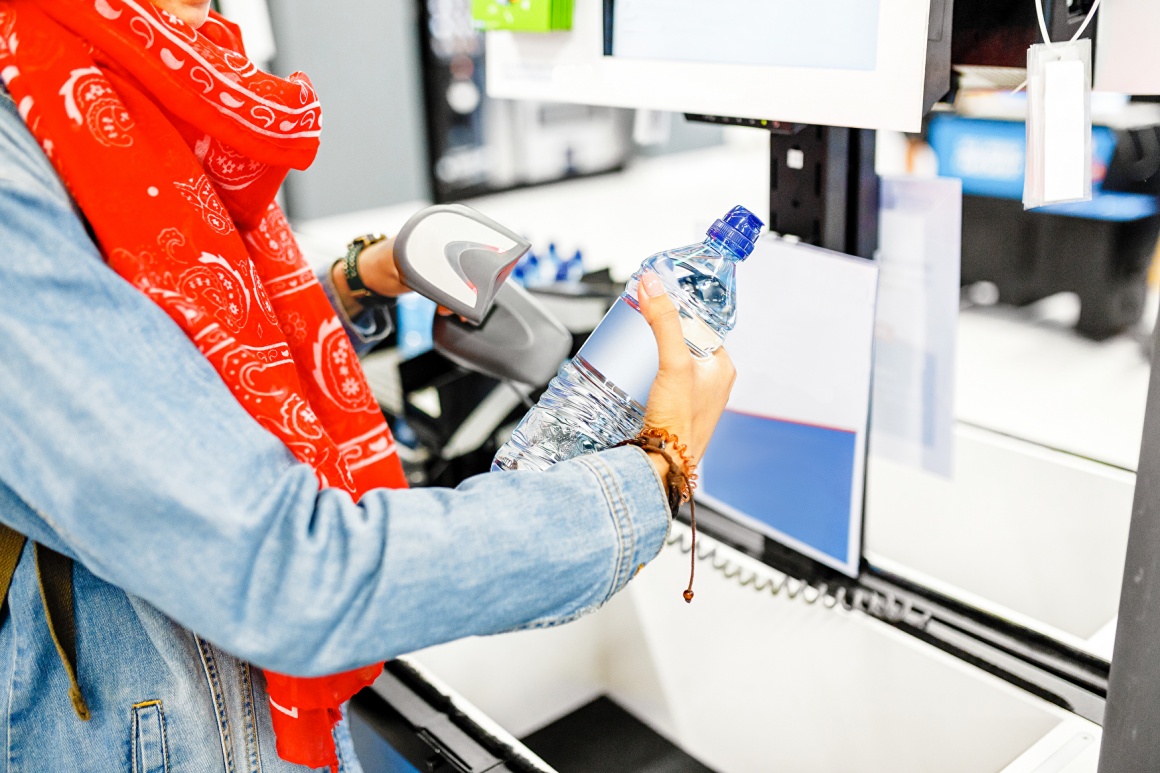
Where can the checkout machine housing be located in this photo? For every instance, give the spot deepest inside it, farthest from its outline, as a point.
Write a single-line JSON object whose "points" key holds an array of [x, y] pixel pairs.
{"points": [[1039, 692]]}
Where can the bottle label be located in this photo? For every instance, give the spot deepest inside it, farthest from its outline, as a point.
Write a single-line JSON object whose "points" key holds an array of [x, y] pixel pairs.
{"points": [[623, 350]]}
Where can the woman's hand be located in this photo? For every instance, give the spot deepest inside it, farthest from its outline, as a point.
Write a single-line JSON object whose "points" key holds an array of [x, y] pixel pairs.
{"points": [[689, 393], [376, 266]]}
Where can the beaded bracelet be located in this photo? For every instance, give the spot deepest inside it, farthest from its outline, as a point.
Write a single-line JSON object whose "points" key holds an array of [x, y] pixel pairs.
{"points": [[680, 481]]}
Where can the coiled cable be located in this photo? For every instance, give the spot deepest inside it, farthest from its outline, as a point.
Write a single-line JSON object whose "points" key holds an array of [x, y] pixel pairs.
{"points": [[882, 605]]}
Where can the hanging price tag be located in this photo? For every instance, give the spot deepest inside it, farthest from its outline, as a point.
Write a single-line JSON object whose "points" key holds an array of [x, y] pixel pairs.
{"points": [[1059, 124]]}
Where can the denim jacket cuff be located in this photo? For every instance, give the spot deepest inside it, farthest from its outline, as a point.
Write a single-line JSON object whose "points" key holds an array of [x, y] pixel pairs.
{"points": [[636, 504], [367, 328]]}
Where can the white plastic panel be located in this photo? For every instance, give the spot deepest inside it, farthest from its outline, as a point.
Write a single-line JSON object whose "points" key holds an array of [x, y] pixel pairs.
{"points": [[1020, 527], [1127, 57], [749, 683]]}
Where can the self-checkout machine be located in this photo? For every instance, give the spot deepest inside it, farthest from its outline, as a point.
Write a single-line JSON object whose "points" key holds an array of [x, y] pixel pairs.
{"points": [[800, 653]]}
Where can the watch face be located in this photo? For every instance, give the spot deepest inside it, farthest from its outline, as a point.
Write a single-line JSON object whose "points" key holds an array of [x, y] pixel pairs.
{"points": [[366, 240]]}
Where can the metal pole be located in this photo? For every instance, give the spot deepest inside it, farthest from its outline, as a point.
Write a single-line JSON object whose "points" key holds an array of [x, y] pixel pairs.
{"points": [[1131, 739]]}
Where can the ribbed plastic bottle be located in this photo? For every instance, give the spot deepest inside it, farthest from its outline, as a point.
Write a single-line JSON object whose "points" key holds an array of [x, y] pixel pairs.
{"points": [[597, 399]]}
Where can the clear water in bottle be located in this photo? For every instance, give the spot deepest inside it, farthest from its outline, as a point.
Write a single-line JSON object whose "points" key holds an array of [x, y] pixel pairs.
{"points": [[597, 399]]}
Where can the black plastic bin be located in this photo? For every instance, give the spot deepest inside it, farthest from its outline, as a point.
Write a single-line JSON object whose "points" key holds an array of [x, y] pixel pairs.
{"points": [[1030, 255]]}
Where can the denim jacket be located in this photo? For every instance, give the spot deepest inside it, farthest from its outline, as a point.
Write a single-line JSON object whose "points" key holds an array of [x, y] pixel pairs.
{"points": [[201, 546]]}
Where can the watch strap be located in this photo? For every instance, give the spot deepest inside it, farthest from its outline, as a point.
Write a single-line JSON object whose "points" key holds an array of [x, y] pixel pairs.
{"points": [[358, 289]]}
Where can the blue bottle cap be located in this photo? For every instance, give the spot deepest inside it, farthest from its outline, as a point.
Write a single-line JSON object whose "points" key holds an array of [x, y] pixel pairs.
{"points": [[739, 230]]}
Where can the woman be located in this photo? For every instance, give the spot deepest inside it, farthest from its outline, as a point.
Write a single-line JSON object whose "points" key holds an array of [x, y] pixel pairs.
{"points": [[189, 446]]}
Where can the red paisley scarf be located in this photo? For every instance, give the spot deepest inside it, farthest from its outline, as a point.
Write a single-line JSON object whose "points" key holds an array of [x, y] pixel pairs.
{"points": [[173, 144]]}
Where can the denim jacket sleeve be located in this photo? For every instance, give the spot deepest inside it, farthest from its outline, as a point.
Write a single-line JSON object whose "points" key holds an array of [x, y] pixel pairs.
{"points": [[136, 460], [365, 329]]}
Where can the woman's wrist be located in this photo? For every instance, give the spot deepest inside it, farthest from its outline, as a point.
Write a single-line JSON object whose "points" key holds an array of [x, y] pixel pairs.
{"points": [[673, 470], [662, 467], [376, 270]]}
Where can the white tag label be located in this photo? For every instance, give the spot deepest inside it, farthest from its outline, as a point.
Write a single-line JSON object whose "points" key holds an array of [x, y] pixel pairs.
{"points": [[1064, 160], [1059, 128]]}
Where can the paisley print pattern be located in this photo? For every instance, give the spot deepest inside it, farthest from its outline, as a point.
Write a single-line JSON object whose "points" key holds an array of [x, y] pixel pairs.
{"points": [[214, 285], [229, 169], [272, 238], [337, 369], [200, 193], [89, 100]]}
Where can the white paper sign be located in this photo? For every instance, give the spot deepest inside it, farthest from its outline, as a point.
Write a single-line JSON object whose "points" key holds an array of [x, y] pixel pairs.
{"points": [[789, 455], [916, 328]]}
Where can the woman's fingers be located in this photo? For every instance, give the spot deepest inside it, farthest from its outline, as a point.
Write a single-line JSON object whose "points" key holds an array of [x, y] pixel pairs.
{"points": [[443, 311], [662, 316]]}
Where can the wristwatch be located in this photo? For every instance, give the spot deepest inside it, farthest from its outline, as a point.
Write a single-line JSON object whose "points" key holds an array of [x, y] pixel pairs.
{"points": [[358, 289]]}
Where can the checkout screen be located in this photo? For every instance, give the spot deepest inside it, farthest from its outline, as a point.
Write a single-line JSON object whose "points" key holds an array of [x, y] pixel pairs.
{"points": [[836, 34]]}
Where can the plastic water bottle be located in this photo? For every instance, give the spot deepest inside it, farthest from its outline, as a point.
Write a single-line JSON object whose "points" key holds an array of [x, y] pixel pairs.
{"points": [[572, 269], [552, 264], [597, 399]]}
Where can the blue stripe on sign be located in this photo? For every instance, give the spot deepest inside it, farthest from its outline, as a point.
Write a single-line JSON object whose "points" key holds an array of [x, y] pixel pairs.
{"points": [[796, 478]]}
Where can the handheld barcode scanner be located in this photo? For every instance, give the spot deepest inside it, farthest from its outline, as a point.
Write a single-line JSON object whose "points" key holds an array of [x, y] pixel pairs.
{"points": [[461, 259], [457, 257]]}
